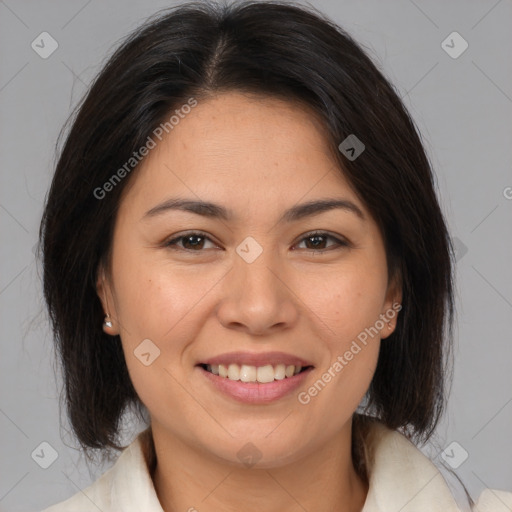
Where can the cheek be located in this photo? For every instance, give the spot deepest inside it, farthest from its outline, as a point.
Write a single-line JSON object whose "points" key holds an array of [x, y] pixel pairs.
{"points": [[154, 305], [351, 384], [159, 306], [153, 299], [348, 298]]}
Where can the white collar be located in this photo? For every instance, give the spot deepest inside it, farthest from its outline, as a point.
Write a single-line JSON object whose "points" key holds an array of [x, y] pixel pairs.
{"points": [[401, 478]]}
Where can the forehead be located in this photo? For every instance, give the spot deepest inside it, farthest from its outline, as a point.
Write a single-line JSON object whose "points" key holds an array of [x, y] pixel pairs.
{"points": [[236, 126], [237, 145]]}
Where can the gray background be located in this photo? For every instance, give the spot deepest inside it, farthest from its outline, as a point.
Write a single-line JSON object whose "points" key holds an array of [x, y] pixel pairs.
{"points": [[463, 108]]}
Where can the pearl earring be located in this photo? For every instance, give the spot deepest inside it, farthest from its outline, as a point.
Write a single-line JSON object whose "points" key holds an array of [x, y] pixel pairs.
{"points": [[107, 322]]}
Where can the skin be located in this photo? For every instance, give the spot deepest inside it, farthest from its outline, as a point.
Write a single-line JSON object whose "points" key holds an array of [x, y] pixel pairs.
{"points": [[256, 156]]}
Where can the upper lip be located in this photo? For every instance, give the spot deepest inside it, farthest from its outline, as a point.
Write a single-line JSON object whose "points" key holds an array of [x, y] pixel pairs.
{"points": [[257, 359]]}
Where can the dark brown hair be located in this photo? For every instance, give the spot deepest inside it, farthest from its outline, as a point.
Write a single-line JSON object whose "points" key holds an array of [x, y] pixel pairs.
{"points": [[273, 49]]}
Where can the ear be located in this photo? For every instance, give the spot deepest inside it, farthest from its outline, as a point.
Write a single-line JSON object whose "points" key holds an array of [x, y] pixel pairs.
{"points": [[103, 289], [392, 306]]}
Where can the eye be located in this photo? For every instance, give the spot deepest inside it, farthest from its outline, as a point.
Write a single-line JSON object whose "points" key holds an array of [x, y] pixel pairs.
{"points": [[193, 241], [317, 240]]}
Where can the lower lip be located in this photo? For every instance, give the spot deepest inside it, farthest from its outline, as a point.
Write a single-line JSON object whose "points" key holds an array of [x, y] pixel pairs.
{"points": [[254, 392]]}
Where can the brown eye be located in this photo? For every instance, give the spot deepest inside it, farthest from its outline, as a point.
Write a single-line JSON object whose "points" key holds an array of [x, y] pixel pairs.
{"points": [[193, 242], [316, 241]]}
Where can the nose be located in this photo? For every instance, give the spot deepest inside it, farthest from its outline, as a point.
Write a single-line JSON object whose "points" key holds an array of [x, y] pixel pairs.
{"points": [[258, 297]]}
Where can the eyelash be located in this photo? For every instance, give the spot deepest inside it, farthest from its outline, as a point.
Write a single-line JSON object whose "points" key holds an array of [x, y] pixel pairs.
{"points": [[173, 243]]}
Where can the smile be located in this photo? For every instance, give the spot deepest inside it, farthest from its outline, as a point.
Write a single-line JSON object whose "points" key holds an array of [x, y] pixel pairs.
{"points": [[255, 392], [248, 373]]}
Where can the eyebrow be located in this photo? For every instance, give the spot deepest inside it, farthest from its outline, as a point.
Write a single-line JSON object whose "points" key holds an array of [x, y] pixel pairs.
{"points": [[216, 211]]}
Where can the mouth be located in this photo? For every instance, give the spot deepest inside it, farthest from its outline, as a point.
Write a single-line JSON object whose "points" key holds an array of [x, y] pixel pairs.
{"points": [[255, 374], [255, 378]]}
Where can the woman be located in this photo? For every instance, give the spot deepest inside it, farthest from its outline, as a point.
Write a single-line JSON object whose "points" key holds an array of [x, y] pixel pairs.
{"points": [[242, 242]]}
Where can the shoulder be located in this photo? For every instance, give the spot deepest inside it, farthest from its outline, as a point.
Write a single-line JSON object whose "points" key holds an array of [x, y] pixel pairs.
{"points": [[402, 478], [126, 486], [96, 496], [492, 500]]}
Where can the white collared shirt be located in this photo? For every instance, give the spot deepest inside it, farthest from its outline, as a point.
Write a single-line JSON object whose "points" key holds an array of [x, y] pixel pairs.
{"points": [[401, 478]]}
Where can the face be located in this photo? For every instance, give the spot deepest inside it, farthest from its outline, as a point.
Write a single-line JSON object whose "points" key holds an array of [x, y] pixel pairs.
{"points": [[255, 289]]}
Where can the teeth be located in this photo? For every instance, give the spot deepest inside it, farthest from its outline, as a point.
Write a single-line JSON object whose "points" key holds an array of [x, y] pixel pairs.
{"points": [[265, 374], [248, 373], [279, 372], [234, 372]]}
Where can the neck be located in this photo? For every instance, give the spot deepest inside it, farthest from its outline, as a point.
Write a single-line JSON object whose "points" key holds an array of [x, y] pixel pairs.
{"points": [[185, 479]]}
